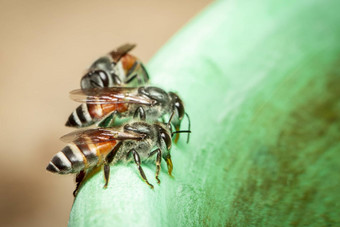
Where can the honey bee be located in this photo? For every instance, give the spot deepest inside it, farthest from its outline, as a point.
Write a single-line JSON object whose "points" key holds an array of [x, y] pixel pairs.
{"points": [[102, 105], [130, 142], [118, 68]]}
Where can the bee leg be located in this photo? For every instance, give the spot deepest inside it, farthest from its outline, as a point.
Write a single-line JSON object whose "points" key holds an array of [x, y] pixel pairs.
{"points": [[106, 174], [158, 162], [79, 178], [141, 172], [129, 77], [140, 112], [168, 160], [109, 120], [108, 159]]}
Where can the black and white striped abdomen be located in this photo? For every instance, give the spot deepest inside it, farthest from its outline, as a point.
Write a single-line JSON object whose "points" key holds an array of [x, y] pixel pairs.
{"points": [[72, 159], [103, 76], [80, 117]]}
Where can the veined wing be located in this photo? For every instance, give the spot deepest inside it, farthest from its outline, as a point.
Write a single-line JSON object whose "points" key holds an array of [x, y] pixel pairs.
{"points": [[99, 135], [121, 51], [110, 95]]}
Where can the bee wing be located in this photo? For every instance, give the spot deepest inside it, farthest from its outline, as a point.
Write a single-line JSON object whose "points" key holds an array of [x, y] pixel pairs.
{"points": [[121, 51], [110, 95], [98, 135]]}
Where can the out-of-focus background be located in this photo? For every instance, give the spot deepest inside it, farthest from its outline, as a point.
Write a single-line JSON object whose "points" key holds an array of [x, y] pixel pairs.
{"points": [[45, 48]]}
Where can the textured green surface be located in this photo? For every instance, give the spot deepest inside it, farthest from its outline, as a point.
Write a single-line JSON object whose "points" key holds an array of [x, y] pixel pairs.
{"points": [[261, 81]]}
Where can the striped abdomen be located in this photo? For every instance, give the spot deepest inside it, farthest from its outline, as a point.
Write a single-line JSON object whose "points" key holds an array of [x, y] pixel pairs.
{"points": [[78, 155], [88, 114]]}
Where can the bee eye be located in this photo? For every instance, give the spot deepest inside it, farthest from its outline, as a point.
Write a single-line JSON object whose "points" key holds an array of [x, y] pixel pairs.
{"points": [[166, 138], [180, 109], [178, 105]]}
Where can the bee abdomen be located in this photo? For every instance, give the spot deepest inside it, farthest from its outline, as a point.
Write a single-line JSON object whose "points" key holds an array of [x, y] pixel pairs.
{"points": [[80, 117], [68, 160]]}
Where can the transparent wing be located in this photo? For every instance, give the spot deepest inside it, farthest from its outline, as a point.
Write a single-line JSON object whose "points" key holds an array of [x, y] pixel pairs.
{"points": [[98, 135], [110, 95], [121, 51]]}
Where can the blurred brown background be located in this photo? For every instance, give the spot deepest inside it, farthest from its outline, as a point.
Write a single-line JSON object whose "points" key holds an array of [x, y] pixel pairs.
{"points": [[45, 48]]}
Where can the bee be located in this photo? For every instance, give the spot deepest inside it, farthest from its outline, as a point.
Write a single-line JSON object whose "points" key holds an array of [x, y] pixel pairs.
{"points": [[130, 142], [118, 68], [102, 106]]}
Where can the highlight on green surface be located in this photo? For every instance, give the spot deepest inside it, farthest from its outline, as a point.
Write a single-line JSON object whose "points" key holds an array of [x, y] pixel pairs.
{"points": [[260, 80]]}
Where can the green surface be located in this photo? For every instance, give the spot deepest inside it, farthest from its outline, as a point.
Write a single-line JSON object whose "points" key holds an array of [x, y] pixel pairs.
{"points": [[261, 82]]}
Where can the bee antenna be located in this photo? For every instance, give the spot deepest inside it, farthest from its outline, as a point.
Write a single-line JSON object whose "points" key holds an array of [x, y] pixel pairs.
{"points": [[189, 126], [181, 131]]}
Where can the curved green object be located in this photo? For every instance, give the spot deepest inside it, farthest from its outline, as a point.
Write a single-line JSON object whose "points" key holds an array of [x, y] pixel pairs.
{"points": [[261, 82]]}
